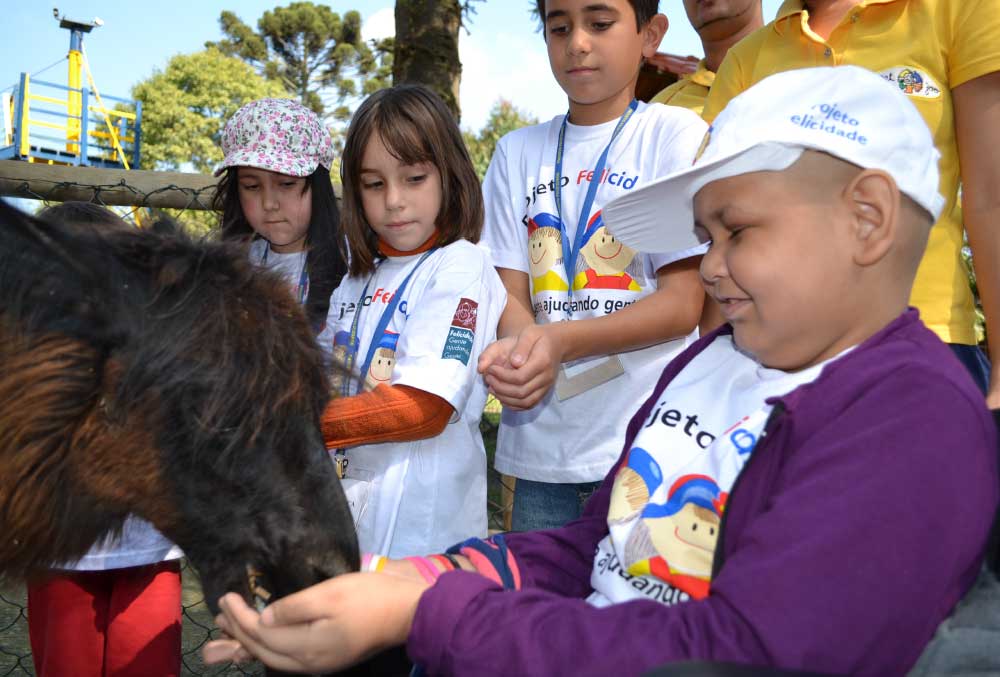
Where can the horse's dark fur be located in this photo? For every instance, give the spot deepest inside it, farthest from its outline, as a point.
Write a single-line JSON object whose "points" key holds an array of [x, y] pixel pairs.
{"points": [[145, 372]]}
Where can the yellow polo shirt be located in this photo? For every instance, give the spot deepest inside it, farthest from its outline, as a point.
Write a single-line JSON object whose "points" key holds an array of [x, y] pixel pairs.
{"points": [[689, 91], [926, 47]]}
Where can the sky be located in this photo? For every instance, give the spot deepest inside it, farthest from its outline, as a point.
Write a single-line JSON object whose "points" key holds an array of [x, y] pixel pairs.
{"points": [[503, 55]]}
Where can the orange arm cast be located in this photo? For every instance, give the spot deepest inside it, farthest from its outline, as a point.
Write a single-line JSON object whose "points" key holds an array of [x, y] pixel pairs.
{"points": [[385, 414]]}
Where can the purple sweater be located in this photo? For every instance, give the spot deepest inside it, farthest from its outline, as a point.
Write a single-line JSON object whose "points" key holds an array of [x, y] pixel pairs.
{"points": [[855, 528]]}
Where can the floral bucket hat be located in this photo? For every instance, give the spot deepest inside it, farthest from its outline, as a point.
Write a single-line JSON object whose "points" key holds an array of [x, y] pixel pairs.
{"points": [[280, 135]]}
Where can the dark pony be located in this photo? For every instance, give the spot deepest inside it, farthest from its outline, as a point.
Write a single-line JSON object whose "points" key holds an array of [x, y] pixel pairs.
{"points": [[144, 372]]}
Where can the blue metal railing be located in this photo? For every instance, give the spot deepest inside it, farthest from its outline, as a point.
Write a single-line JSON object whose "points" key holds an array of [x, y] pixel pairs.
{"points": [[92, 146]]}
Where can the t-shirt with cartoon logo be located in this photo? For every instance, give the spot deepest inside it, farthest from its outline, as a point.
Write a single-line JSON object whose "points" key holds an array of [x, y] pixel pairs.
{"points": [[418, 497], [575, 437], [670, 493]]}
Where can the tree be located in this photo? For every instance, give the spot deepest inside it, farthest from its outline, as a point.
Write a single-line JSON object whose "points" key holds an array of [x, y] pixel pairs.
{"points": [[971, 272], [185, 106], [311, 51], [427, 47], [504, 117]]}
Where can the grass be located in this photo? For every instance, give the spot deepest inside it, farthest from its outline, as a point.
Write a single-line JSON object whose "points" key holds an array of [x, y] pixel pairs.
{"points": [[15, 651]]}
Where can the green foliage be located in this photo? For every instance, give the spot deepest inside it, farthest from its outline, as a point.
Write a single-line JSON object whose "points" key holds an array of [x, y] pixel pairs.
{"points": [[504, 117], [185, 106], [971, 272], [316, 54], [196, 222]]}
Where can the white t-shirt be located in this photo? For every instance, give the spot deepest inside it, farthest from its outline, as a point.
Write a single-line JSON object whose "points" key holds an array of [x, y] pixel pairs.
{"points": [[140, 544], [412, 498], [576, 437], [668, 497], [291, 266]]}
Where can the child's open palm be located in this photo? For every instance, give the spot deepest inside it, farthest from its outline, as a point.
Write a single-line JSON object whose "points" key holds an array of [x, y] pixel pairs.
{"points": [[324, 628]]}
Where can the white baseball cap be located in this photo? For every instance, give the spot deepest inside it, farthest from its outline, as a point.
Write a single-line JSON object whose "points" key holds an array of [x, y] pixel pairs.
{"points": [[846, 111]]}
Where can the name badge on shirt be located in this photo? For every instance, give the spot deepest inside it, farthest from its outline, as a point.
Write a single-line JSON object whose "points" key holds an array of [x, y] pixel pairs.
{"points": [[358, 493], [583, 375]]}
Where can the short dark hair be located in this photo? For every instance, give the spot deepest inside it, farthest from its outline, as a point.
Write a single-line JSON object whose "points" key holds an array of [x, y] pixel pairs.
{"points": [[78, 213], [644, 11], [415, 126], [324, 261]]}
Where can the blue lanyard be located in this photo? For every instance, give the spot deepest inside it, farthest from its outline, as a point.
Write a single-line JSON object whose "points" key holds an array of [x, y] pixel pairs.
{"points": [[383, 323], [570, 254], [303, 288]]}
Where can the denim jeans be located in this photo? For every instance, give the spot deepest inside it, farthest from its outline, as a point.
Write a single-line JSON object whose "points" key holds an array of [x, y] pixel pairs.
{"points": [[966, 642], [975, 362], [545, 505]]}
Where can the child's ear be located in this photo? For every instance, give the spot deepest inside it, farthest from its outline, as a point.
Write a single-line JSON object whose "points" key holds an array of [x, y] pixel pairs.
{"points": [[873, 200], [652, 34]]}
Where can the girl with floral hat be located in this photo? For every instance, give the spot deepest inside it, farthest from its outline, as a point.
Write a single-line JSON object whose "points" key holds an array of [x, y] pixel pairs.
{"points": [[276, 190]]}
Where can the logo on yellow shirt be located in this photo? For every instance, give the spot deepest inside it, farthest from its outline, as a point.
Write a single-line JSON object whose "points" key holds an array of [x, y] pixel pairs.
{"points": [[913, 82]]}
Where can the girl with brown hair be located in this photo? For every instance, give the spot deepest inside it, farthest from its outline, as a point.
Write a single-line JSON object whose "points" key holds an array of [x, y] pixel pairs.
{"points": [[420, 288]]}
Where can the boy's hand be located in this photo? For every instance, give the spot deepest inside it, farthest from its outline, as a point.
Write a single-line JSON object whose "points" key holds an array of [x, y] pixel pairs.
{"points": [[324, 628], [497, 352], [520, 370]]}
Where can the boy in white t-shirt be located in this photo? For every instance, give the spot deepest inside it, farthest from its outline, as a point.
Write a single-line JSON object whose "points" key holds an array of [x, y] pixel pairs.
{"points": [[566, 385]]}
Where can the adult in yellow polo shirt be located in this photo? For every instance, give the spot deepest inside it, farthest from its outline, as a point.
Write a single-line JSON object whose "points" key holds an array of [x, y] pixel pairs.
{"points": [[720, 25], [945, 54], [689, 91]]}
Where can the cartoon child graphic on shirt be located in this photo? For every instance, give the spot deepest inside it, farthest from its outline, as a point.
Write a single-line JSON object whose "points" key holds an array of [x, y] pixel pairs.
{"points": [[545, 254], [682, 533], [634, 484], [383, 360], [605, 263], [910, 81]]}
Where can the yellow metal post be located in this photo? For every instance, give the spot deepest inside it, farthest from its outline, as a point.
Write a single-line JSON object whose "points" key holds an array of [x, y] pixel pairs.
{"points": [[23, 122], [113, 133], [74, 102]]}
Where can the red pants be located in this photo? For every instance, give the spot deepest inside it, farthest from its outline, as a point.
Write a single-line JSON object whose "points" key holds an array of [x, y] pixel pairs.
{"points": [[114, 623]]}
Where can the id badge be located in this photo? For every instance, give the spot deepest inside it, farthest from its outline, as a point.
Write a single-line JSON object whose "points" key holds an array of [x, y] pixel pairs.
{"points": [[583, 375], [358, 493], [357, 488], [340, 463]]}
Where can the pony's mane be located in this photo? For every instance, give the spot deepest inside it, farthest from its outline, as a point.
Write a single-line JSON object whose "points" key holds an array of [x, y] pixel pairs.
{"points": [[147, 372], [190, 320]]}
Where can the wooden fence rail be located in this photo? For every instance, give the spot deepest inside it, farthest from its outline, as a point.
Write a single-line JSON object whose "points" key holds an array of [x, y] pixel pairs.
{"points": [[137, 188]]}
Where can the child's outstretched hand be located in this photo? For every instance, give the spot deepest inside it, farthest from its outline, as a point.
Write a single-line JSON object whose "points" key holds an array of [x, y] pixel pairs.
{"points": [[324, 628], [520, 370]]}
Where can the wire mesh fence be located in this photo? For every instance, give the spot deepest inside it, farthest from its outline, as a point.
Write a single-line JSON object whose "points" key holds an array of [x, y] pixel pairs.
{"points": [[197, 628], [186, 198], [187, 201]]}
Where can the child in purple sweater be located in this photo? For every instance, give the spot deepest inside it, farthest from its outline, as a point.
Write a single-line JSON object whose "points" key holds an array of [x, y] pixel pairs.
{"points": [[811, 486]]}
